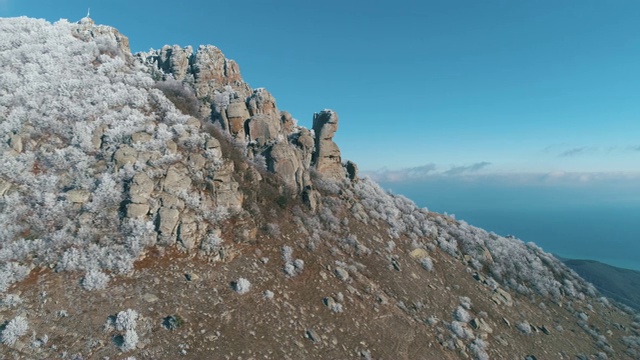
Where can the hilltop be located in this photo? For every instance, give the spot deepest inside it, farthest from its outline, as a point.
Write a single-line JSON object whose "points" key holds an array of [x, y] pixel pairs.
{"points": [[155, 206]]}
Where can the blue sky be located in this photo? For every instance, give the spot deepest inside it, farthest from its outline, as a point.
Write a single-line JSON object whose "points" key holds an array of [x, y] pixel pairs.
{"points": [[450, 87]]}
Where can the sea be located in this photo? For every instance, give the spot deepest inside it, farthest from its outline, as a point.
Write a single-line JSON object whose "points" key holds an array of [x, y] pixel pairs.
{"points": [[593, 223]]}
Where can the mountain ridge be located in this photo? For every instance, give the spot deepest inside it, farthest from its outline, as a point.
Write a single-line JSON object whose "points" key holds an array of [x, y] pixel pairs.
{"points": [[133, 180]]}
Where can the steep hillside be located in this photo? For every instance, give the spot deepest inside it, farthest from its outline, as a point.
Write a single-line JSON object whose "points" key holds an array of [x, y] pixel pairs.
{"points": [[155, 206], [623, 285]]}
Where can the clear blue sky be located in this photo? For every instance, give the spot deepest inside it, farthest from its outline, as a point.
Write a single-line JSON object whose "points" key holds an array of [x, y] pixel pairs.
{"points": [[541, 86]]}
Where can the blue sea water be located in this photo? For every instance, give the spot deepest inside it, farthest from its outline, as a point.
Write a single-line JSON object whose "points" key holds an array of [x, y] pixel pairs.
{"points": [[585, 223]]}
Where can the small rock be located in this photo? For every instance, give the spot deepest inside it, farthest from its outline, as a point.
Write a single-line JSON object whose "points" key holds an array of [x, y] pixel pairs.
{"points": [[395, 264], [312, 335], [150, 298], [191, 277]]}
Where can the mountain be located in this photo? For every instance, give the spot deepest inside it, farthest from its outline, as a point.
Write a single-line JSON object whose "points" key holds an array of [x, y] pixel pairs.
{"points": [[620, 284], [155, 206]]}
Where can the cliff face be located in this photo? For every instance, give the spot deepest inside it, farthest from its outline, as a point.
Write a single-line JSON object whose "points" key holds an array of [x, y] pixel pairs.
{"points": [[195, 219]]}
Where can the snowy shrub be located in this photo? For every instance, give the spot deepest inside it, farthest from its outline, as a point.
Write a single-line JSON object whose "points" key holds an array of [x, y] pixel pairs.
{"points": [[461, 314], [287, 253], [299, 265], [242, 286], [268, 294], [129, 340], [211, 244], [126, 320], [478, 349], [465, 302], [95, 280], [15, 328], [273, 230], [460, 330], [524, 327], [427, 263], [11, 300]]}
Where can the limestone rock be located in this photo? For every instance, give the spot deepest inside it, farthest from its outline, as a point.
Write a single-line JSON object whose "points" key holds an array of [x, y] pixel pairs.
{"points": [[288, 124], [235, 116], [419, 254], [137, 210], [175, 60], [177, 179], [352, 170], [262, 129], [16, 143], [141, 188], [125, 155], [261, 102], [283, 160], [78, 196], [4, 187], [502, 297], [167, 221], [326, 158], [187, 232]]}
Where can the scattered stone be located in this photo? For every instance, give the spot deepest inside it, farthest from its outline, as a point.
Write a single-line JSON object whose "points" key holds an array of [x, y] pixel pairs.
{"points": [[419, 254], [150, 298], [191, 277], [313, 336]]}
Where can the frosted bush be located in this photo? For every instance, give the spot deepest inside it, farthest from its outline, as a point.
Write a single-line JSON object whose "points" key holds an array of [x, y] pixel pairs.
{"points": [[129, 340], [461, 314], [268, 294], [524, 327], [12, 300], [126, 320], [95, 280], [242, 286], [17, 327], [427, 263]]}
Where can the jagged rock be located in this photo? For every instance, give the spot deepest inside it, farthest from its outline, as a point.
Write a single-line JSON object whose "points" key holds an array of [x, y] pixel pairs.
{"points": [[212, 71], [419, 254], [310, 198], [141, 137], [87, 29], [137, 210], [283, 160], [177, 179], [125, 155], [167, 221], [140, 188], [502, 297], [352, 170], [171, 201], [262, 129], [16, 143], [187, 231], [196, 161], [4, 187], [261, 102], [78, 196], [288, 124], [236, 115], [481, 325], [326, 158], [175, 60]]}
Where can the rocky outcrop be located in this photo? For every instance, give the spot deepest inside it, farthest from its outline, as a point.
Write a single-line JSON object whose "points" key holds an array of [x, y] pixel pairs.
{"points": [[326, 158], [252, 116]]}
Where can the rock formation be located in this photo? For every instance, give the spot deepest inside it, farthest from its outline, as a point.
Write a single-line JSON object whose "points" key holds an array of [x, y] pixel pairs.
{"points": [[252, 116]]}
